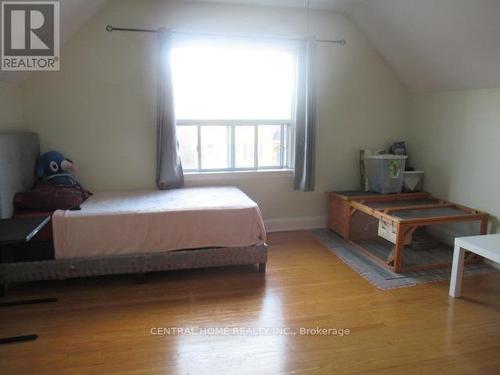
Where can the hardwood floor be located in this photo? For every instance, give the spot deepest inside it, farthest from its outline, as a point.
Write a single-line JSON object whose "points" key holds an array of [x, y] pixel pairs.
{"points": [[103, 325]]}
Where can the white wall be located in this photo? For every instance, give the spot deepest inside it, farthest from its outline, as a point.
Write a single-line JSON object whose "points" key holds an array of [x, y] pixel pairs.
{"points": [[11, 114], [100, 109], [455, 137]]}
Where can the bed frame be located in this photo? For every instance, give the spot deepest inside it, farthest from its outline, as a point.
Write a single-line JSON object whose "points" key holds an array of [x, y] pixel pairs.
{"points": [[60, 269], [357, 216], [18, 156]]}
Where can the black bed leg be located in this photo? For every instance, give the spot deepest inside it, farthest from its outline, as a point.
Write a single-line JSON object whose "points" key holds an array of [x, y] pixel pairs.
{"points": [[3, 289], [262, 267]]}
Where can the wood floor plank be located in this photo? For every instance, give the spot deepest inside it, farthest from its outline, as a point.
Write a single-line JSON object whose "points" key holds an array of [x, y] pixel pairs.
{"points": [[103, 325]]}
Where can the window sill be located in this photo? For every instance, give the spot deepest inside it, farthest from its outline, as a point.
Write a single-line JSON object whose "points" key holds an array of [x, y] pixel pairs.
{"points": [[238, 175]]}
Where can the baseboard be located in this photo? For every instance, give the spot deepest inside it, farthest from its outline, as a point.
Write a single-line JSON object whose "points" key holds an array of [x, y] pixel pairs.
{"points": [[295, 223]]}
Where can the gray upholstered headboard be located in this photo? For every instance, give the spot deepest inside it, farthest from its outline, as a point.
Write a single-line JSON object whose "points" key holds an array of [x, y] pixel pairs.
{"points": [[18, 154]]}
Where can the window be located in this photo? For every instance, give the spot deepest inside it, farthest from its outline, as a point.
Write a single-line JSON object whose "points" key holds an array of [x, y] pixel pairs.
{"points": [[234, 105]]}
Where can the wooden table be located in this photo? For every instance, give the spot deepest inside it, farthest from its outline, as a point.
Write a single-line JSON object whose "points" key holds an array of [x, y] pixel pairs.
{"points": [[485, 246], [356, 215], [16, 237]]}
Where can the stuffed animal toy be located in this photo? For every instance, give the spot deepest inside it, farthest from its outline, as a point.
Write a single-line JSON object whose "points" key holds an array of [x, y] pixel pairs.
{"points": [[56, 188], [54, 168]]}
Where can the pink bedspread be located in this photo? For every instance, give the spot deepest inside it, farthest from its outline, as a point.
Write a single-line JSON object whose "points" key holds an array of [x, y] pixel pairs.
{"points": [[152, 221]]}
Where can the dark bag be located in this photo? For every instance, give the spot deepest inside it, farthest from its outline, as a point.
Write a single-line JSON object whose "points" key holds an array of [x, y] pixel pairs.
{"points": [[48, 197]]}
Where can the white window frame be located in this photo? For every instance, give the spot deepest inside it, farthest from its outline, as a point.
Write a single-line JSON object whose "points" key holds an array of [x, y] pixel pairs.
{"points": [[287, 130], [287, 137]]}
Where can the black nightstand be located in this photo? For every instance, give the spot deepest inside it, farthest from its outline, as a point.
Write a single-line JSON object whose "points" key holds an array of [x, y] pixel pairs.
{"points": [[18, 244], [18, 240]]}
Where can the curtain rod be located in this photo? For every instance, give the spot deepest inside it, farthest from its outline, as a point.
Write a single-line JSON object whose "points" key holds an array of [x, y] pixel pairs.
{"points": [[110, 28]]}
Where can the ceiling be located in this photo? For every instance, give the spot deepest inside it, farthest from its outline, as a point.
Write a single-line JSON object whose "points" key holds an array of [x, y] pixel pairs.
{"points": [[432, 45], [435, 45], [337, 5], [74, 13]]}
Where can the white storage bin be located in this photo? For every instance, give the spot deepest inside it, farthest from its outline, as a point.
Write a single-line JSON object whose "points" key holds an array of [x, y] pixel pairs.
{"points": [[385, 173]]}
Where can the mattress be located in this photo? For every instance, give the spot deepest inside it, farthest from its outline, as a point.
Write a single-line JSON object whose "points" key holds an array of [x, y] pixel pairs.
{"points": [[118, 223]]}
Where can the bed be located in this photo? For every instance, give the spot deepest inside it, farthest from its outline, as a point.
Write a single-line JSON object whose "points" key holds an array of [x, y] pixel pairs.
{"points": [[120, 223], [137, 232]]}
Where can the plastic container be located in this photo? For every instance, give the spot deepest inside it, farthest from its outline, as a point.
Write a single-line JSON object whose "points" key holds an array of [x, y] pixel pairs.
{"points": [[385, 173], [413, 180], [362, 156]]}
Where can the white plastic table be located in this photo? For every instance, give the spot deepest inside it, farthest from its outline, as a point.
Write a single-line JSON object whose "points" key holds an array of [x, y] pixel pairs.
{"points": [[487, 246]]}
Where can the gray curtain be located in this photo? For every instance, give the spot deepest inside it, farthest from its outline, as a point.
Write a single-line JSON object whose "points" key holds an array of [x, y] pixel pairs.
{"points": [[305, 117], [169, 174]]}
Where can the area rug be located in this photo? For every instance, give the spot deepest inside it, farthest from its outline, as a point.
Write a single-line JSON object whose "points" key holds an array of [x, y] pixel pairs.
{"points": [[385, 279]]}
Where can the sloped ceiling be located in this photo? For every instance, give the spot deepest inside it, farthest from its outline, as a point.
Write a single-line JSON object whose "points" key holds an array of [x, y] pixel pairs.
{"points": [[435, 45], [74, 13]]}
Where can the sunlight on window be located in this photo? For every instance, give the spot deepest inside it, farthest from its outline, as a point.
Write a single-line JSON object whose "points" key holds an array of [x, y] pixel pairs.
{"points": [[244, 146], [187, 137], [269, 145], [214, 147], [234, 104], [232, 83]]}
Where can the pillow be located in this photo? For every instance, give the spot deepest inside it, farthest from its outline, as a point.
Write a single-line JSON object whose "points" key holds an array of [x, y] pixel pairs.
{"points": [[49, 197]]}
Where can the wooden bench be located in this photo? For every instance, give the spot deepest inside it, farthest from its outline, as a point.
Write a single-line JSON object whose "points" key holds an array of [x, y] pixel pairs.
{"points": [[356, 216]]}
